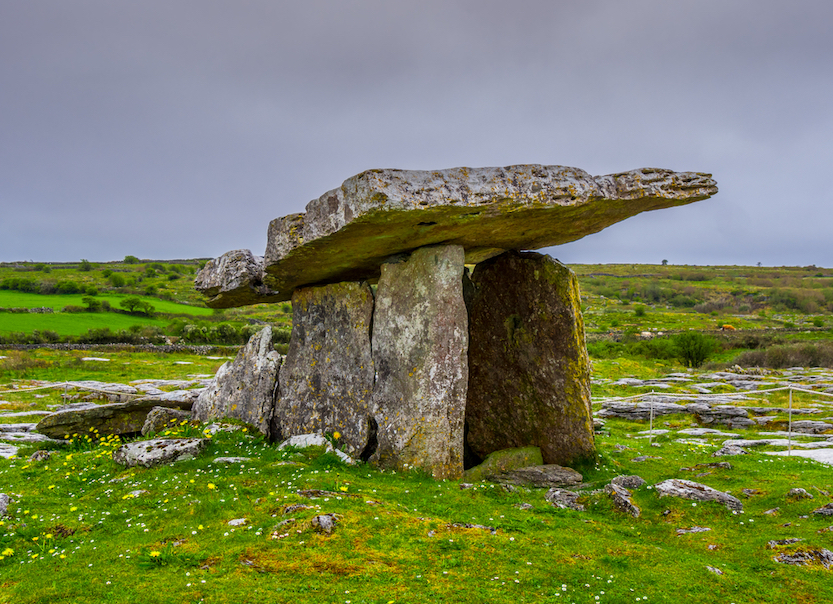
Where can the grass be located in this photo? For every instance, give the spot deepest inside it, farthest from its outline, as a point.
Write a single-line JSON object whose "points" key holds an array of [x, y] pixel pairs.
{"points": [[84, 529]]}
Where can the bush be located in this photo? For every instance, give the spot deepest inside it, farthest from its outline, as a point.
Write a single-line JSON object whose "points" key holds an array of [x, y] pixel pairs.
{"points": [[789, 355], [116, 280], [85, 265], [693, 348], [133, 304], [93, 305], [72, 308], [131, 260]]}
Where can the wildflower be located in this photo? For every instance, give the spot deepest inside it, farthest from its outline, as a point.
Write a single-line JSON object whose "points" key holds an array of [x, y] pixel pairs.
{"points": [[155, 554], [8, 552], [211, 486], [336, 435]]}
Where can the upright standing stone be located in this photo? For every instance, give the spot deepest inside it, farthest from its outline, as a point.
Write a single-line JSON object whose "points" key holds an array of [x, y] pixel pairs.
{"points": [[529, 376], [326, 380], [244, 389], [420, 339]]}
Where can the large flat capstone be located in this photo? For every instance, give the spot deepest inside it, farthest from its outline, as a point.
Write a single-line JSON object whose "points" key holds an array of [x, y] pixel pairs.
{"points": [[348, 233], [420, 340], [326, 379]]}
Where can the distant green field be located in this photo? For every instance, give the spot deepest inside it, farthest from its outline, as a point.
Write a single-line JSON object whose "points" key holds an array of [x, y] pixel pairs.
{"points": [[12, 299], [71, 324]]}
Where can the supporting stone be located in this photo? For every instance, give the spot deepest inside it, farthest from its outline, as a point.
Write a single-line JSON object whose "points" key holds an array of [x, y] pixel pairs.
{"points": [[420, 341], [529, 376], [326, 379], [244, 389]]}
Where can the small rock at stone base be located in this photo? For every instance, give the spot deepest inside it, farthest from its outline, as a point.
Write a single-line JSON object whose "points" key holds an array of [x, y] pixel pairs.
{"points": [[799, 493], [158, 451], [772, 512], [302, 441], [504, 460], [40, 456], [548, 475], [693, 529]]}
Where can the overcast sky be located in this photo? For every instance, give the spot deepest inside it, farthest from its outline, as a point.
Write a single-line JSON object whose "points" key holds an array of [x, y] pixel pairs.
{"points": [[179, 129]]}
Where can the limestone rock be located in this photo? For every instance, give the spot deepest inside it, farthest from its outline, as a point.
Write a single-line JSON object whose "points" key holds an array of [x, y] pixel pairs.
{"points": [[564, 499], [547, 475], [803, 558], [420, 341], [621, 498], [4, 504], [504, 461], [158, 451], [162, 418], [629, 482], [326, 379], [799, 493], [113, 418], [728, 450], [529, 373], [302, 441], [234, 279], [349, 232], [825, 510], [686, 489], [7, 451], [324, 523], [244, 389]]}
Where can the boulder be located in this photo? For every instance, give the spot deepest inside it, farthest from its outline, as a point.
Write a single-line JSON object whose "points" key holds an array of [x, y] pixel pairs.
{"points": [[4, 504], [629, 482], [686, 489], [162, 418], [303, 441], [113, 418], [158, 451], [244, 388], [504, 461], [326, 379], [825, 510], [349, 233], [529, 373], [547, 475], [420, 341]]}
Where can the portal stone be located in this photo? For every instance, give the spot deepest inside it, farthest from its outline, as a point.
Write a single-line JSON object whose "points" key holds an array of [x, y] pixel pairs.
{"points": [[326, 380], [529, 374], [244, 389], [420, 341]]}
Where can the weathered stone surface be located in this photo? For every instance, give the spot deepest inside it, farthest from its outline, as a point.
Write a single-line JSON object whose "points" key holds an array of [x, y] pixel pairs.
{"points": [[564, 499], [622, 499], [799, 493], [324, 523], [686, 489], [245, 388], [234, 279], [326, 379], [113, 418], [162, 418], [629, 482], [825, 510], [547, 475], [302, 441], [803, 558], [4, 504], [529, 374], [349, 232], [729, 450], [504, 461], [158, 451], [420, 341], [7, 451]]}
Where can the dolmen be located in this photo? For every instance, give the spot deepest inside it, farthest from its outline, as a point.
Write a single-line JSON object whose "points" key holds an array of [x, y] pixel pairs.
{"points": [[425, 335]]}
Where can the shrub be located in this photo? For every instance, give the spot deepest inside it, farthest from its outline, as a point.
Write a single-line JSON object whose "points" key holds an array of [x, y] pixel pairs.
{"points": [[85, 265], [131, 260], [693, 348], [91, 290], [72, 308], [137, 305], [789, 355], [93, 305], [639, 311], [116, 280], [106, 273]]}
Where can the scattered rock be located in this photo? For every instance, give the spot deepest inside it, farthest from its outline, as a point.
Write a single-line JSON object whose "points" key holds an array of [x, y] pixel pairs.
{"points": [[237, 522], [781, 542], [622, 499], [527, 346], [642, 458], [231, 460], [234, 279], [467, 525], [291, 509], [825, 510], [4, 504], [811, 427], [302, 441], [693, 529], [158, 451], [324, 523], [714, 570], [750, 492], [548, 475], [161, 418], [799, 493], [772, 511], [524, 506], [564, 499], [728, 450], [8, 451], [722, 465], [504, 461], [804, 558], [40, 456], [695, 491], [628, 482]]}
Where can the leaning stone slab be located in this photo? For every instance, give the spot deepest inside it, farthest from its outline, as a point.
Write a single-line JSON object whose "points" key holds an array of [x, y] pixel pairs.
{"points": [[158, 451], [326, 379], [420, 341], [529, 373], [244, 389], [504, 461], [349, 232], [547, 475], [687, 489], [113, 418]]}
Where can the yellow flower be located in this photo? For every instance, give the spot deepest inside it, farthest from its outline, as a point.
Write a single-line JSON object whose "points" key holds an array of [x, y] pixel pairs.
{"points": [[34, 538], [211, 486], [200, 527], [155, 554], [343, 489], [8, 552], [336, 435], [73, 508], [62, 556], [34, 556], [49, 536]]}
